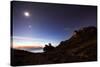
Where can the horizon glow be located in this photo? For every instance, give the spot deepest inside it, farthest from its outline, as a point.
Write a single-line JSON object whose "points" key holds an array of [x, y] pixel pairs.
{"points": [[26, 42]]}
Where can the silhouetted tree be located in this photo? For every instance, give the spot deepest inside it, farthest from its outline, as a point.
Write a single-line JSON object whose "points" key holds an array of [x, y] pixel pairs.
{"points": [[45, 48], [48, 48]]}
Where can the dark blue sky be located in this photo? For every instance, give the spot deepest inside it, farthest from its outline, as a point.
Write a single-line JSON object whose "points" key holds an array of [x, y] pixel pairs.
{"points": [[50, 22]]}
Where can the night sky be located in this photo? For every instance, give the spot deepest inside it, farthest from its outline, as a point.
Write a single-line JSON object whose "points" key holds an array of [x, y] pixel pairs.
{"points": [[37, 24]]}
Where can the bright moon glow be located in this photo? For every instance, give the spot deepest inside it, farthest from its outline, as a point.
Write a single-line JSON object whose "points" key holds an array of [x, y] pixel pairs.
{"points": [[27, 14]]}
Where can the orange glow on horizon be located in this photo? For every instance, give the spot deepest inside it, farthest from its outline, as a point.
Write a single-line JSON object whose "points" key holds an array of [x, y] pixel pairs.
{"points": [[26, 45], [26, 42]]}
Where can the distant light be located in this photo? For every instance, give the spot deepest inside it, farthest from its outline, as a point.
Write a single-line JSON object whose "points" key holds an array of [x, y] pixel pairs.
{"points": [[27, 14]]}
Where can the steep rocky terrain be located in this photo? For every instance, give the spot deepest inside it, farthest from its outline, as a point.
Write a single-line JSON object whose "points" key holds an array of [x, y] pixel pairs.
{"points": [[81, 47]]}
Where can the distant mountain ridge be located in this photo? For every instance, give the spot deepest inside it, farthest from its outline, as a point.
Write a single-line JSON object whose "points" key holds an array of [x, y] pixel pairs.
{"points": [[81, 47]]}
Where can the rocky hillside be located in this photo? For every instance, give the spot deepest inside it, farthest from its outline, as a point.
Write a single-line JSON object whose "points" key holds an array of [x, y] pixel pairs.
{"points": [[81, 47]]}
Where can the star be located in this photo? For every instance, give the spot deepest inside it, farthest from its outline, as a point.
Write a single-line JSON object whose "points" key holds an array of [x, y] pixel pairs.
{"points": [[30, 26]]}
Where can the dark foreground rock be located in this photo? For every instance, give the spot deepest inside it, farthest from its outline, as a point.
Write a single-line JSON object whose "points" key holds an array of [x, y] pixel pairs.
{"points": [[81, 47]]}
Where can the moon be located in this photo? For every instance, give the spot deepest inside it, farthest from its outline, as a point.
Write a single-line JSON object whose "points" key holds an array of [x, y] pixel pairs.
{"points": [[27, 14]]}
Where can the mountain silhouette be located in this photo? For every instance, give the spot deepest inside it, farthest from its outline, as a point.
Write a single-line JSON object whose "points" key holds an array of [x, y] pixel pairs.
{"points": [[81, 47]]}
